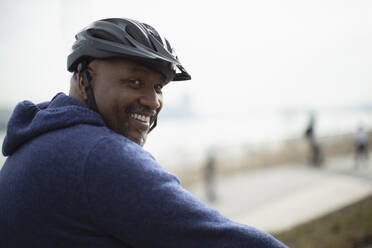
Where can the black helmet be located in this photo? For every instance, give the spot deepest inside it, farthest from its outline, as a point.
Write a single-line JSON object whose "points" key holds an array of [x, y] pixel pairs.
{"points": [[127, 39]]}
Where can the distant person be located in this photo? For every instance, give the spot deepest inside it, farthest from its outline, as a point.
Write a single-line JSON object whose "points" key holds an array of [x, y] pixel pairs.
{"points": [[361, 147], [210, 176], [76, 173], [314, 147]]}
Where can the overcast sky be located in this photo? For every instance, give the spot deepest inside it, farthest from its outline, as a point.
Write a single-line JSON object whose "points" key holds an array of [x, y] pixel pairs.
{"points": [[241, 54]]}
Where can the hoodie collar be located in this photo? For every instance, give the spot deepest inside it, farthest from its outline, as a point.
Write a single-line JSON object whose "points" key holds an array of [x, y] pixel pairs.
{"points": [[30, 120]]}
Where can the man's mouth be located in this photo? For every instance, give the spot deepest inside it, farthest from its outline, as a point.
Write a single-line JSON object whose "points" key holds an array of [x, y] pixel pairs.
{"points": [[145, 119]]}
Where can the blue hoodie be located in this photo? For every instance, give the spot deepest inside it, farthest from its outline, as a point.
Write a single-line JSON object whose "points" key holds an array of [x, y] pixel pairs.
{"points": [[70, 181]]}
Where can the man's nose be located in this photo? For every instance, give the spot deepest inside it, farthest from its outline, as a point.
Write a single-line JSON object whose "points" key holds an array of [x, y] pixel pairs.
{"points": [[151, 99]]}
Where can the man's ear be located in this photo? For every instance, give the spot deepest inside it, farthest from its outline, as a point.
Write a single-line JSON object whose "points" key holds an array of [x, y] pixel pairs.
{"points": [[80, 86]]}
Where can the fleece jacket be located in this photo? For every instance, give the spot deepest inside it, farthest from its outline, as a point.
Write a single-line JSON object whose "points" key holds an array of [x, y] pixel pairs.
{"points": [[70, 181]]}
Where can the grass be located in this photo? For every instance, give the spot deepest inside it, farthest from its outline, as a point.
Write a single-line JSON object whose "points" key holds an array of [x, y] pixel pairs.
{"points": [[349, 227]]}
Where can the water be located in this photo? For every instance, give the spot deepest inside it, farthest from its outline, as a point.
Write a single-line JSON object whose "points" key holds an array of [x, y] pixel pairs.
{"points": [[187, 141]]}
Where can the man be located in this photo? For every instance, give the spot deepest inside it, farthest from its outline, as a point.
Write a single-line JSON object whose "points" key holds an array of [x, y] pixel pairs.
{"points": [[361, 148], [76, 174], [313, 144]]}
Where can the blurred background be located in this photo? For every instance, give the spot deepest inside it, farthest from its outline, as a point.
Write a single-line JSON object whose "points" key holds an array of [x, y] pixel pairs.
{"points": [[261, 71]]}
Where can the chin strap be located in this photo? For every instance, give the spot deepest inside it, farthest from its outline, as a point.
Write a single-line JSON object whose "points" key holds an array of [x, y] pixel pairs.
{"points": [[153, 124], [82, 69]]}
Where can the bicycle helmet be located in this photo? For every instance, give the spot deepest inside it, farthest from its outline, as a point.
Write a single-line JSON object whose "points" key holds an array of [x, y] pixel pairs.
{"points": [[127, 39]]}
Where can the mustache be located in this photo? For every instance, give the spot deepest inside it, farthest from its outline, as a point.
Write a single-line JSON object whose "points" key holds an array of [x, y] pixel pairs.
{"points": [[143, 110]]}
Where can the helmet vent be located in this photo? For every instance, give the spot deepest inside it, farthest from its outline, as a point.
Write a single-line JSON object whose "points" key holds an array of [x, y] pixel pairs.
{"points": [[96, 33], [137, 35]]}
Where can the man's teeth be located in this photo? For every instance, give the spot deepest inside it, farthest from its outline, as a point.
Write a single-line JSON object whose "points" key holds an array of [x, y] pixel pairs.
{"points": [[139, 117]]}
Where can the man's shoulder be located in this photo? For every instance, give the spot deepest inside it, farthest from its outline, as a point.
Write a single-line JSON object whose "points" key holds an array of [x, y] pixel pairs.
{"points": [[86, 140], [84, 133], [102, 143], [117, 160], [117, 147]]}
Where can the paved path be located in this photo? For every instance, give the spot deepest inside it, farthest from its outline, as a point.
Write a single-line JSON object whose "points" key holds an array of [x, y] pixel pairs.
{"points": [[275, 199]]}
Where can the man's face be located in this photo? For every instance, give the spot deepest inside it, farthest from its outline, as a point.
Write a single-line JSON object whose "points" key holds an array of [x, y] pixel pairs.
{"points": [[128, 96]]}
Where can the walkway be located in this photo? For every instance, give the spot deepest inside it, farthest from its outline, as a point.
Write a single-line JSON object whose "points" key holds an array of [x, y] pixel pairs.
{"points": [[275, 199]]}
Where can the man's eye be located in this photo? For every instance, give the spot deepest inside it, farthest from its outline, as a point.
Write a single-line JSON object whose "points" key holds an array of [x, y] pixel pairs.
{"points": [[134, 83]]}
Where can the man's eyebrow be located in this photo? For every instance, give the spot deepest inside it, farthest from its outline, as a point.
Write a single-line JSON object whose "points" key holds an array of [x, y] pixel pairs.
{"points": [[136, 69], [140, 69]]}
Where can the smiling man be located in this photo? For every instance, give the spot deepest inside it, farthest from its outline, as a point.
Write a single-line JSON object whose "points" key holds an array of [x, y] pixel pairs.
{"points": [[128, 95], [76, 174]]}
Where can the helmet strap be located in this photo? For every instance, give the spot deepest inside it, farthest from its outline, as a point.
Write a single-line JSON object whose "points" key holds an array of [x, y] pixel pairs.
{"points": [[82, 69], [153, 124]]}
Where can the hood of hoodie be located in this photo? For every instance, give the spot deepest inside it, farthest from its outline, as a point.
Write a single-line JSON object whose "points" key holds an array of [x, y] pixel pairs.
{"points": [[30, 120]]}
